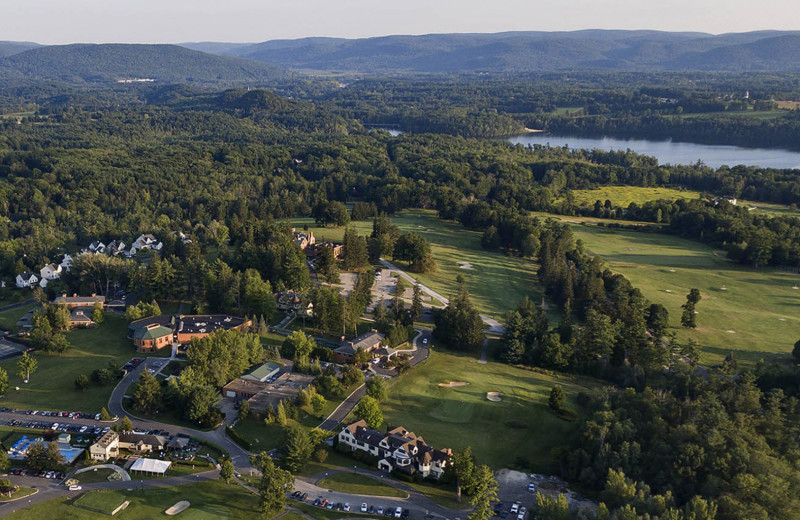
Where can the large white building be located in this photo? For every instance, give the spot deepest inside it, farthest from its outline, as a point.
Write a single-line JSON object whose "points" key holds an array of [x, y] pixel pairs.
{"points": [[397, 449]]}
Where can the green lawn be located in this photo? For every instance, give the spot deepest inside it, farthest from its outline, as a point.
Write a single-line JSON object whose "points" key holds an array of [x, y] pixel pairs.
{"points": [[9, 318], [22, 492], [90, 477], [497, 282], [102, 500], [262, 437], [360, 485], [52, 386], [624, 195], [752, 312], [211, 500], [520, 425]]}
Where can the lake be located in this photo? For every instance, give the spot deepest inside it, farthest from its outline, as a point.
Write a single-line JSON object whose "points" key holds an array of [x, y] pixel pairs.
{"points": [[674, 152]]}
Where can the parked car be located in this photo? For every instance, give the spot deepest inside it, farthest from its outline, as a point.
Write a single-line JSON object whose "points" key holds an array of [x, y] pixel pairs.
{"points": [[405, 514], [531, 487], [75, 487], [398, 512], [371, 509], [363, 507], [346, 507], [514, 508], [380, 510]]}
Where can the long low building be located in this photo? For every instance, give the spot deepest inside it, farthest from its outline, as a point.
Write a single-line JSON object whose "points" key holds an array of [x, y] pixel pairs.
{"points": [[262, 394], [156, 332]]}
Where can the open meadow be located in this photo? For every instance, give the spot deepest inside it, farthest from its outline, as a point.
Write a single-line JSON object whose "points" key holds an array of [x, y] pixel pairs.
{"points": [[624, 195], [520, 423], [496, 282], [52, 386], [752, 312]]}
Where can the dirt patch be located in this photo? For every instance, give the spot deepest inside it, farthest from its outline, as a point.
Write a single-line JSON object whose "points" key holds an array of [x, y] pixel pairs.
{"points": [[453, 384], [495, 397], [178, 507]]}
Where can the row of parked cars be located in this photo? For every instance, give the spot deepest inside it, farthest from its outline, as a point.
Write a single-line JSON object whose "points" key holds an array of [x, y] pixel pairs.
{"points": [[390, 511], [133, 363], [516, 509], [56, 475], [46, 413], [65, 427]]}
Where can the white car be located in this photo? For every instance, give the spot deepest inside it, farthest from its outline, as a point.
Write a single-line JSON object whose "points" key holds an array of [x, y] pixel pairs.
{"points": [[521, 516], [531, 487], [398, 512], [363, 507], [75, 487], [514, 508], [424, 341]]}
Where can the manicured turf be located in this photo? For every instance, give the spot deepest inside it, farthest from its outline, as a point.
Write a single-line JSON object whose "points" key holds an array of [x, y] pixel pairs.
{"points": [[360, 485], [52, 386], [90, 477], [105, 501], [752, 312], [456, 417], [211, 500], [497, 282], [624, 195]]}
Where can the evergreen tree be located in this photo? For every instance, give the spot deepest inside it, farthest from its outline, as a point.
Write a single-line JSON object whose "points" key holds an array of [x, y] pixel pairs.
{"points": [[275, 483], [226, 471]]}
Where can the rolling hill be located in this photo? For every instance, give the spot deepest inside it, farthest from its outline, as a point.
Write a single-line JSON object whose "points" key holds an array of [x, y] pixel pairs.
{"points": [[10, 48], [530, 52], [84, 63]]}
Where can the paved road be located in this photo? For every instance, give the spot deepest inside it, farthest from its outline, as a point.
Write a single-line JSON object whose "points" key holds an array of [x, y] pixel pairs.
{"points": [[239, 456], [494, 326], [15, 305]]}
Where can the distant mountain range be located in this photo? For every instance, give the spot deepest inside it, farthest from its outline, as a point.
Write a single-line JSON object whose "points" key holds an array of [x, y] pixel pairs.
{"points": [[219, 62], [531, 52], [118, 62]]}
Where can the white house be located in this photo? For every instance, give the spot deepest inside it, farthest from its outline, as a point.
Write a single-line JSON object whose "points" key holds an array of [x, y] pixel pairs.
{"points": [[97, 247], [115, 247], [27, 280], [396, 450], [50, 272], [66, 263]]}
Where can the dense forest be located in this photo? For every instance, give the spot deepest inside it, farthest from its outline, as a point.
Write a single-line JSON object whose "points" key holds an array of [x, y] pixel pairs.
{"points": [[228, 169]]}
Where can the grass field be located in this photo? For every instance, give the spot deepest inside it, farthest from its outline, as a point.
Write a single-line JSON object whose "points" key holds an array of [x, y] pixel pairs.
{"points": [[90, 477], [624, 195], [211, 500], [519, 425], [496, 282], [22, 492], [360, 485], [103, 500], [52, 386], [752, 312], [9, 318]]}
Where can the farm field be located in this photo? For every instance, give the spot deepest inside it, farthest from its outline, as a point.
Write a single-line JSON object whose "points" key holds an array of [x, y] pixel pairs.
{"points": [[624, 195], [210, 500], [455, 417], [52, 386], [496, 282], [751, 312]]}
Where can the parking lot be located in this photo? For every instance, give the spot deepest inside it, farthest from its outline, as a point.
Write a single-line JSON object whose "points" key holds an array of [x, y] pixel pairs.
{"points": [[391, 511]]}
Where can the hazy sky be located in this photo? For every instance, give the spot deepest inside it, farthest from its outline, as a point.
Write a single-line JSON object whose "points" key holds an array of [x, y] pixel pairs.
{"points": [[171, 21]]}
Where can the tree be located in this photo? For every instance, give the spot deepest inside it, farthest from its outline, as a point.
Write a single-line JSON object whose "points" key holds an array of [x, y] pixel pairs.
{"points": [[459, 325], [355, 250], [26, 366], [415, 250], [126, 425], [369, 410], [257, 297], [416, 303], [688, 316], [280, 414], [657, 319], [104, 414], [298, 346], [4, 464], [463, 466], [40, 457], [82, 382], [484, 493], [318, 403], [352, 376], [298, 448], [3, 382], [327, 265], [244, 410], [795, 352], [557, 398], [273, 486], [147, 396], [98, 313], [376, 388], [226, 471]]}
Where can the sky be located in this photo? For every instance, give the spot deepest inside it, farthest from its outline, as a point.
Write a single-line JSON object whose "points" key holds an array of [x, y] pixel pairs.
{"points": [[174, 21]]}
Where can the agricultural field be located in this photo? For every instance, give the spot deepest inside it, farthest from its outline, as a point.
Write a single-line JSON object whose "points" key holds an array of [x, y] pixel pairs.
{"points": [[624, 195], [210, 500], [496, 282], [459, 416], [52, 386], [751, 312]]}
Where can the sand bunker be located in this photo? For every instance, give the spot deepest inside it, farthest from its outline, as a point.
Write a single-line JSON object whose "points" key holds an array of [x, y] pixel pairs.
{"points": [[672, 270], [494, 396], [453, 384], [179, 507], [465, 265], [731, 331], [667, 290]]}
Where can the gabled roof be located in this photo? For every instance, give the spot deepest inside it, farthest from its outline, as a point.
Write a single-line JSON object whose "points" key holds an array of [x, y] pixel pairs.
{"points": [[153, 331], [27, 275]]}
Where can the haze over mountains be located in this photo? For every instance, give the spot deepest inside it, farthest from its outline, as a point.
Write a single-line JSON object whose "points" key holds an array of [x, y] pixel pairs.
{"points": [[448, 53]]}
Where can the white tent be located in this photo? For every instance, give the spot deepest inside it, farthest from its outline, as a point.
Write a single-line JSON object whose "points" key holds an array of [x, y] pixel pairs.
{"points": [[156, 466]]}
